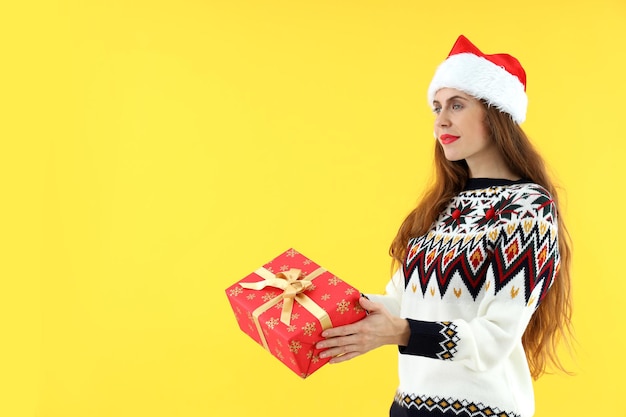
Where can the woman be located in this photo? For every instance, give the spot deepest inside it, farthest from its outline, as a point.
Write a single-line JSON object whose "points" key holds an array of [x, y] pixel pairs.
{"points": [[481, 295]]}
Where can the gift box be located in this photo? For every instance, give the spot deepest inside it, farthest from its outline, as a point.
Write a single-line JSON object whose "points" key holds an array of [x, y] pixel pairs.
{"points": [[286, 304]]}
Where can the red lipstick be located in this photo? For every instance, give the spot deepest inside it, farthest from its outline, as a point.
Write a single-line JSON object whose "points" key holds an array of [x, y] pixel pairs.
{"points": [[447, 139]]}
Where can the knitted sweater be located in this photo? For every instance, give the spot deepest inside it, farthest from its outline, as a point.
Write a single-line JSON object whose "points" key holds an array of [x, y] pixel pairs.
{"points": [[468, 289]]}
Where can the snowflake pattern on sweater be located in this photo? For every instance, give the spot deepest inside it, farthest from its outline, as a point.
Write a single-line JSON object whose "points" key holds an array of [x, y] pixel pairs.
{"points": [[468, 289], [513, 233]]}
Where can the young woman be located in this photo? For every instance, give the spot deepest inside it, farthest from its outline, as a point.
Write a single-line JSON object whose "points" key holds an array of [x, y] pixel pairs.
{"points": [[481, 295]]}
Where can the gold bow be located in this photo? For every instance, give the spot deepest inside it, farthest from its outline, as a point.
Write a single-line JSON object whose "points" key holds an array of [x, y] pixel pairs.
{"points": [[293, 284]]}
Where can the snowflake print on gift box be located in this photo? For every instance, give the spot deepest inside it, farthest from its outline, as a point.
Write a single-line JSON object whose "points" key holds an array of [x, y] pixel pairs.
{"points": [[295, 346], [279, 354], [325, 297], [284, 268], [333, 281], [309, 328], [269, 296], [314, 358], [307, 262], [251, 296], [350, 291], [291, 253], [271, 323], [343, 306], [235, 291], [291, 328]]}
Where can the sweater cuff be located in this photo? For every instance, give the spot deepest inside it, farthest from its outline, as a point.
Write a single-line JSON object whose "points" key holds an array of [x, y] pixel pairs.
{"points": [[431, 339]]}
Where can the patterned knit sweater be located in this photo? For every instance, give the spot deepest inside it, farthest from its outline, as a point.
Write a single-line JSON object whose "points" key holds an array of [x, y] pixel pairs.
{"points": [[468, 289]]}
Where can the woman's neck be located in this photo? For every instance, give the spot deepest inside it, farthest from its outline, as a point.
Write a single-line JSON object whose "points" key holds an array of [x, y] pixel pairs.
{"points": [[490, 166]]}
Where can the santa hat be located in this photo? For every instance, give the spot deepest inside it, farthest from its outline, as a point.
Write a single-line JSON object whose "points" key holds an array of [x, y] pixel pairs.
{"points": [[499, 79]]}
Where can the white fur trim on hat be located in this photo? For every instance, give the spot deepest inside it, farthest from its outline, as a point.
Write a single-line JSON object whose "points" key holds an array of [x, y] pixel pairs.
{"points": [[482, 79]]}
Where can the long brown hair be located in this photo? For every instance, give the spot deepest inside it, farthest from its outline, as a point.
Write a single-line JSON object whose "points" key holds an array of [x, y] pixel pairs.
{"points": [[551, 323]]}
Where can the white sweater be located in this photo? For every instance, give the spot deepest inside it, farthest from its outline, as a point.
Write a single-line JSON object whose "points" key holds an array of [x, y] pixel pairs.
{"points": [[468, 289]]}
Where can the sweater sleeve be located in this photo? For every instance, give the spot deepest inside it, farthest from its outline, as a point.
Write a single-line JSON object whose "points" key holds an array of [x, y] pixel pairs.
{"points": [[521, 269], [392, 299]]}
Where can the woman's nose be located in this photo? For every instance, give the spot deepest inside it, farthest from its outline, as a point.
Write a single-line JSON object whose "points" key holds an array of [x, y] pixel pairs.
{"points": [[442, 119]]}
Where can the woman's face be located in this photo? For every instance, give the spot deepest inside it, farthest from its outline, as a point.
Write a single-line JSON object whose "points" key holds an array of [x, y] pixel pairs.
{"points": [[460, 127]]}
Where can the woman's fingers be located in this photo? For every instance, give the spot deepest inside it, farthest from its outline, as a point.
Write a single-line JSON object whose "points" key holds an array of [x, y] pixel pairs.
{"points": [[340, 331], [345, 357], [336, 343], [348, 346], [345, 352], [345, 342]]}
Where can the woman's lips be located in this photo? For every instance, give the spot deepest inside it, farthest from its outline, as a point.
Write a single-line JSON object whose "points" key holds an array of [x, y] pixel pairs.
{"points": [[448, 139]]}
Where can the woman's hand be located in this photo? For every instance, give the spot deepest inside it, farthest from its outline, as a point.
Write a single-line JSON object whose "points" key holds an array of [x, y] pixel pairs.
{"points": [[377, 329]]}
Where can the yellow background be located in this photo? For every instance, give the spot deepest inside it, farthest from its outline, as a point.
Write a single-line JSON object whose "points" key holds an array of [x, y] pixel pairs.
{"points": [[154, 152]]}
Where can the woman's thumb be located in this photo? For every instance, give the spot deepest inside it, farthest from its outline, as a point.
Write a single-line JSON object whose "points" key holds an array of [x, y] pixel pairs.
{"points": [[368, 304]]}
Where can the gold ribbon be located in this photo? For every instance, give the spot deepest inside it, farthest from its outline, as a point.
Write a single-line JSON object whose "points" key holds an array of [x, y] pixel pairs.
{"points": [[293, 285]]}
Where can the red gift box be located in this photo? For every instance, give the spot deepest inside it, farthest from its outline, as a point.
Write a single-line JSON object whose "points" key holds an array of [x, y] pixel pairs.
{"points": [[286, 304]]}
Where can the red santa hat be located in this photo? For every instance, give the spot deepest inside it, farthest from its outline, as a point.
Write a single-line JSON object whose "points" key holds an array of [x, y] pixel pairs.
{"points": [[498, 79]]}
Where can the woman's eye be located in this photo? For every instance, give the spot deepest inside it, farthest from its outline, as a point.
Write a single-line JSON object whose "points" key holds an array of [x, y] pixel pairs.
{"points": [[436, 110], [457, 106]]}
